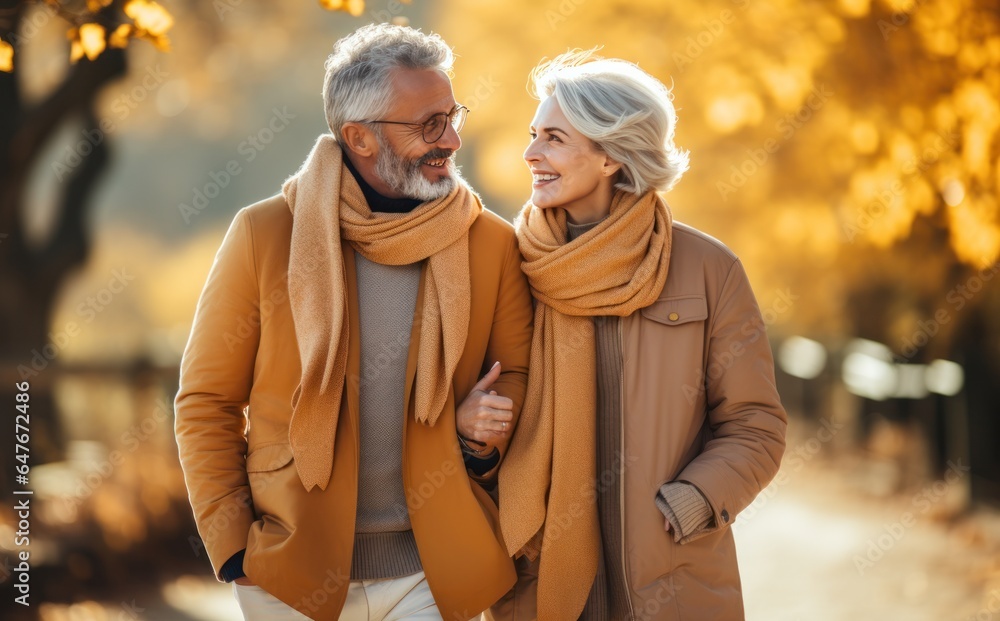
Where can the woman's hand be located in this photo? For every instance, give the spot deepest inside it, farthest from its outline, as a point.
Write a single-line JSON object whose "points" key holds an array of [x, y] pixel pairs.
{"points": [[485, 416]]}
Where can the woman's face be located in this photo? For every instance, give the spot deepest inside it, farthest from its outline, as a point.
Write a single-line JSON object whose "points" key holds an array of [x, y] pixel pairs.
{"points": [[567, 169]]}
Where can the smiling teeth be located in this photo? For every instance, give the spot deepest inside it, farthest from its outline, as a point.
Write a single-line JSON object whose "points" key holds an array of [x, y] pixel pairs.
{"points": [[545, 177], [436, 162]]}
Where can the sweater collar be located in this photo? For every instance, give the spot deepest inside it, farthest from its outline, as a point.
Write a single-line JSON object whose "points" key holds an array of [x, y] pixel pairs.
{"points": [[377, 202]]}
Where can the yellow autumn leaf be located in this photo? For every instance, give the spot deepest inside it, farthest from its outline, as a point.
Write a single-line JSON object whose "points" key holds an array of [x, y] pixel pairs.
{"points": [[149, 16], [119, 38], [75, 51], [160, 43], [354, 7], [96, 5], [6, 57], [92, 40]]}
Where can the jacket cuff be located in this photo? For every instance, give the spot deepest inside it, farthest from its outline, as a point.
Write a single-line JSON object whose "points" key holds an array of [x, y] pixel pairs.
{"points": [[686, 509], [233, 568]]}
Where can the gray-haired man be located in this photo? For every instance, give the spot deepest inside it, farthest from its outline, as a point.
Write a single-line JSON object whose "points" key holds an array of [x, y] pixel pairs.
{"points": [[384, 372]]}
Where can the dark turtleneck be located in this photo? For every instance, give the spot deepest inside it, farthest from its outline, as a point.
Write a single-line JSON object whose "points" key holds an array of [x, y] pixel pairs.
{"points": [[377, 202]]}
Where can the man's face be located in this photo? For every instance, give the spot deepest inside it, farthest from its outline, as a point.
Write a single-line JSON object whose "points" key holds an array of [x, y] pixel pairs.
{"points": [[405, 162]]}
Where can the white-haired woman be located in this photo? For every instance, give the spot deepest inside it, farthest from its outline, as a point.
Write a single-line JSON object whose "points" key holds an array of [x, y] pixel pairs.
{"points": [[651, 418]]}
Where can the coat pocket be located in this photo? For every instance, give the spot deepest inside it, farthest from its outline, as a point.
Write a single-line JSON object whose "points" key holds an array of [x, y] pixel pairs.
{"points": [[271, 479], [677, 310], [269, 457]]}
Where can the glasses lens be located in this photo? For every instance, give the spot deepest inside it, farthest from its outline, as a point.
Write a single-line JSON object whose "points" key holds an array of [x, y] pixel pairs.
{"points": [[434, 127], [458, 120]]}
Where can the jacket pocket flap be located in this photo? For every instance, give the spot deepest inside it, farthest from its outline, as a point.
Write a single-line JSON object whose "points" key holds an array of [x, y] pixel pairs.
{"points": [[269, 457], [677, 310]]}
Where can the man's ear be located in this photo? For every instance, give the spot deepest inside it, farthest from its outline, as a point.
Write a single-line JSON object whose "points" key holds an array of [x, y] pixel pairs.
{"points": [[359, 139]]}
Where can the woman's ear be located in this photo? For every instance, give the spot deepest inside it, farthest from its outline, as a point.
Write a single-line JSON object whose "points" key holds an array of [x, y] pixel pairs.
{"points": [[358, 139], [610, 166]]}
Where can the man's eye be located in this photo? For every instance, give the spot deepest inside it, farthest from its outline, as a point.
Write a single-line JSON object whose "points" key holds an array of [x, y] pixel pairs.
{"points": [[533, 135], [434, 123]]}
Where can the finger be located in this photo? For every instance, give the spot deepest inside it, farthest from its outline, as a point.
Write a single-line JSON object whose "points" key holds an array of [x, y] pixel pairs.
{"points": [[488, 379], [667, 524], [496, 402], [488, 414]]}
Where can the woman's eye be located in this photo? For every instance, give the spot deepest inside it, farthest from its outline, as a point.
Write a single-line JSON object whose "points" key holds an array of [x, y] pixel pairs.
{"points": [[554, 137]]}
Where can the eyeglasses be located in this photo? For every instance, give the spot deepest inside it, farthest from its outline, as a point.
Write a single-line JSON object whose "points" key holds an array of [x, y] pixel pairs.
{"points": [[433, 128]]}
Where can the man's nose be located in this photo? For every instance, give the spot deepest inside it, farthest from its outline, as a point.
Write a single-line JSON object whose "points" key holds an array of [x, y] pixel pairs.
{"points": [[449, 139]]}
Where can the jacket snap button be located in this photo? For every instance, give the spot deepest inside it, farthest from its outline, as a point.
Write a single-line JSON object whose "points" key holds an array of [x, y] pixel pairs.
{"points": [[725, 516], [673, 316]]}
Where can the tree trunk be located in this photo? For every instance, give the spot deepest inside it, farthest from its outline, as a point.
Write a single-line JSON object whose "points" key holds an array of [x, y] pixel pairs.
{"points": [[31, 275]]}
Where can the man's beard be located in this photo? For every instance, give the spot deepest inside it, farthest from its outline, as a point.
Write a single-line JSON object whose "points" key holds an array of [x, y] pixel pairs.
{"points": [[405, 177]]}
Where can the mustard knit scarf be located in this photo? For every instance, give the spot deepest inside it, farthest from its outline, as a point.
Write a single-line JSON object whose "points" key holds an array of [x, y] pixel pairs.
{"points": [[327, 206], [547, 504]]}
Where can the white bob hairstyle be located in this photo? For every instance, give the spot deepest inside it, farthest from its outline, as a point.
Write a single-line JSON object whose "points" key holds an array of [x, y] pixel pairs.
{"points": [[623, 110]]}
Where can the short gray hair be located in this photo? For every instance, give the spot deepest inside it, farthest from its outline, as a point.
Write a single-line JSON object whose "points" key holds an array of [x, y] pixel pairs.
{"points": [[357, 86], [623, 110]]}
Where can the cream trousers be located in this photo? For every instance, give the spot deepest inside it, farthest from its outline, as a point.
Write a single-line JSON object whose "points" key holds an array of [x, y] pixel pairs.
{"points": [[393, 599]]}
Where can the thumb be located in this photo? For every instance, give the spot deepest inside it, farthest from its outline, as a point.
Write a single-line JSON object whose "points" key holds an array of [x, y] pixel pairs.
{"points": [[491, 376]]}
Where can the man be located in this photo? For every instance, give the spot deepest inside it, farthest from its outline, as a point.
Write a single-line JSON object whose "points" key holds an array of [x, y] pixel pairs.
{"points": [[360, 346]]}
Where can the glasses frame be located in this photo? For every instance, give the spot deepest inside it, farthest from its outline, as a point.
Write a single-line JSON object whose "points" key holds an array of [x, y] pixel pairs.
{"points": [[450, 116]]}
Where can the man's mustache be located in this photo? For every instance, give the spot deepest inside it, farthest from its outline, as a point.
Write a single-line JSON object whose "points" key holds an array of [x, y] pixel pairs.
{"points": [[436, 154]]}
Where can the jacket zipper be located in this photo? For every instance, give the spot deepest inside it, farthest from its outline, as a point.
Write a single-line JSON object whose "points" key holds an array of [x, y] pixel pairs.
{"points": [[621, 481]]}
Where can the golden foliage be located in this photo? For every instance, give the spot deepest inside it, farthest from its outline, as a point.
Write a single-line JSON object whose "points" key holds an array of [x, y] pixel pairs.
{"points": [[6, 57], [820, 134], [354, 7], [150, 21]]}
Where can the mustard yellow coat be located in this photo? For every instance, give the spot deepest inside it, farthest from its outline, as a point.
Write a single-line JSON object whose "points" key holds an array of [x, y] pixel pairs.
{"points": [[238, 373]]}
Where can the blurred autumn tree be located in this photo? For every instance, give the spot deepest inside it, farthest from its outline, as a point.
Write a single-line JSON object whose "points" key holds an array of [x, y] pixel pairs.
{"points": [[32, 271], [848, 151]]}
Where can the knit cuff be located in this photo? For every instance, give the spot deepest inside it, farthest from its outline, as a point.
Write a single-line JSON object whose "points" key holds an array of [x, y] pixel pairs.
{"points": [[233, 568], [688, 511]]}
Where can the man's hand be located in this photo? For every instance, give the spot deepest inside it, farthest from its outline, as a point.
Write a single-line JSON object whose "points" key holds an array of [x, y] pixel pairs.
{"points": [[485, 416], [244, 581]]}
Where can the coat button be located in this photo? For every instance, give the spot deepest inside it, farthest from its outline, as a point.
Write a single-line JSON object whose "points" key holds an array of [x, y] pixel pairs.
{"points": [[725, 516], [673, 316]]}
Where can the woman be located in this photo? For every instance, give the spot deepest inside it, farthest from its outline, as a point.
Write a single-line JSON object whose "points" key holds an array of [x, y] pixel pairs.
{"points": [[652, 417]]}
